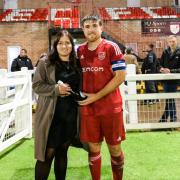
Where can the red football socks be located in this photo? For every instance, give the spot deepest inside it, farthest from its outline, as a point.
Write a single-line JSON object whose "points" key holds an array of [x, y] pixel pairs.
{"points": [[117, 166], [95, 165]]}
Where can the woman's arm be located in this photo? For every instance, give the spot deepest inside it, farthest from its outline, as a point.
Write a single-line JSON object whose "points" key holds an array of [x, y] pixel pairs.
{"points": [[40, 83]]}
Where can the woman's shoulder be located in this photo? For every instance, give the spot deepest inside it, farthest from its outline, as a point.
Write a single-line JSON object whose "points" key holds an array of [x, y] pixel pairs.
{"points": [[44, 60]]}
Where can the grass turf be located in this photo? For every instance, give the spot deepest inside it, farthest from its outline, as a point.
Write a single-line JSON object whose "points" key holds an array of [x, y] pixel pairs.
{"points": [[148, 156]]}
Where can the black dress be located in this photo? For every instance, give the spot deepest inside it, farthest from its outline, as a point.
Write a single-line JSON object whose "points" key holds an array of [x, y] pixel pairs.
{"points": [[64, 123]]}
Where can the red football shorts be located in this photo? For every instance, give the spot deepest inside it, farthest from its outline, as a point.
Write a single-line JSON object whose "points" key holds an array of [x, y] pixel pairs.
{"points": [[95, 128]]}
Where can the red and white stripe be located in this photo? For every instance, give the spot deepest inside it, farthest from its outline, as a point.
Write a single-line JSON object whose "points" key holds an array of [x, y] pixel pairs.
{"points": [[91, 159], [115, 46], [95, 158]]}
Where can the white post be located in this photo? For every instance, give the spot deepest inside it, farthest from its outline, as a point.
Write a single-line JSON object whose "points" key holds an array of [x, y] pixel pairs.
{"points": [[3, 90], [132, 105], [29, 110], [30, 104]]}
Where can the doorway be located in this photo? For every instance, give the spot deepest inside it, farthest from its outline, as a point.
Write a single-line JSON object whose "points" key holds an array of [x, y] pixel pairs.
{"points": [[12, 53]]}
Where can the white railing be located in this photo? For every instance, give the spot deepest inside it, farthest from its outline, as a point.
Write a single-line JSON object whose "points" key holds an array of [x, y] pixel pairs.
{"points": [[15, 106], [140, 116]]}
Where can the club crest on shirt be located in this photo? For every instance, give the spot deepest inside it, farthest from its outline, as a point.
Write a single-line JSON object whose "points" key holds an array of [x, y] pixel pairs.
{"points": [[101, 55]]}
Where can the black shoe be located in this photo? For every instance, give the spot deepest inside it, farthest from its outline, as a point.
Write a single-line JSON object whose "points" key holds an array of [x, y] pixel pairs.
{"points": [[162, 120], [157, 100], [146, 102], [151, 102], [173, 120]]}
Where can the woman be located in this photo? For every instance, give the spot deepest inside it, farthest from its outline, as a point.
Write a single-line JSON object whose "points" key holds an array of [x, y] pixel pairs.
{"points": [[55, 123]]}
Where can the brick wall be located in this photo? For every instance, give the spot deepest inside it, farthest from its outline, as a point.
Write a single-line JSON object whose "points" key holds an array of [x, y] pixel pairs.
{"points": [[157, 3], [32, 4], [32, 36], [130, 32], [110, 3]]}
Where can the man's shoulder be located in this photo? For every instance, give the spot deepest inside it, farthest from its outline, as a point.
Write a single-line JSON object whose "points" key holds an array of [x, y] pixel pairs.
{"points": [[129, 56], [109, 43], [28, 59], [82, 46], [112, 47], [15, 60], [167, 50], [178, 49]]}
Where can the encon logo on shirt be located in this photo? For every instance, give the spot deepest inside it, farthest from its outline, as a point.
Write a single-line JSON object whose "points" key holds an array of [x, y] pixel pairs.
{"points": [[92, 69]]}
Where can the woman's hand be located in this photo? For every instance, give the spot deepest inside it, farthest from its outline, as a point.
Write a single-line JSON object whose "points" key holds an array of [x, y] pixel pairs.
{"points": [[64, 89]]}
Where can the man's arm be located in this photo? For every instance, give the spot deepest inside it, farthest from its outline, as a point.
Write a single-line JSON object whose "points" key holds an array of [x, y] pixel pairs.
{"points": [[118, 79], [14, 66], [30, 66], [143, 68], [161, 62]]}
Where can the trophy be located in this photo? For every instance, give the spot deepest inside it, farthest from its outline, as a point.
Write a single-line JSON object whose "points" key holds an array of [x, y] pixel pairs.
{"points": [[78, 96]]}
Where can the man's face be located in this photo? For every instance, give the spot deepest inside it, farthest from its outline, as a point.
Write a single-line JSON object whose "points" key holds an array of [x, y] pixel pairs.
{"points": [[23, 53], [92, 30], [172, 42]]}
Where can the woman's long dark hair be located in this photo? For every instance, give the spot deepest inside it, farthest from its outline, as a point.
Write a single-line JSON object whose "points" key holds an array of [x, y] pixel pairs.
{"points": [[54, 56]]}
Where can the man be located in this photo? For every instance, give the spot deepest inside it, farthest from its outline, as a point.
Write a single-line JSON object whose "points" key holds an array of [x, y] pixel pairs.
{"points": [[150, 66], [21, 61], [103, 70], [170, 63]]}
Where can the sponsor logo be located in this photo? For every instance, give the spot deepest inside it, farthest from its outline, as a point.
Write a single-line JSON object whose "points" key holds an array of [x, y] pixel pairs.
{"points": [[101, 55], [92, 69], [174, 28]]}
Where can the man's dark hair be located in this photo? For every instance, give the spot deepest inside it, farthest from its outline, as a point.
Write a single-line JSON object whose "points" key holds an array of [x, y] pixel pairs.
{"points": [[25, 50], [151, 46], [91, 17]]}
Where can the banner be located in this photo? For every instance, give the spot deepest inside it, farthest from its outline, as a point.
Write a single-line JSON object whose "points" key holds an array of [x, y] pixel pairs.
{"points": [[160, 27]]}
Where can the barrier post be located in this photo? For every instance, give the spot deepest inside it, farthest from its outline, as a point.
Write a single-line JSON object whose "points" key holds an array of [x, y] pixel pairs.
{"points": [[132, 105], [3, 90]]}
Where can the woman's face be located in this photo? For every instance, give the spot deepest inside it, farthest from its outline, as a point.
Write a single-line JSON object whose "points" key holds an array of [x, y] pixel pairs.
{"points": [[172, 42], [64, 46]]}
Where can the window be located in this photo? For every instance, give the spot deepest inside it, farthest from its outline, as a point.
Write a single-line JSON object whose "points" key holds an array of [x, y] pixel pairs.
{"points": [[12, 53], [177, 2]]}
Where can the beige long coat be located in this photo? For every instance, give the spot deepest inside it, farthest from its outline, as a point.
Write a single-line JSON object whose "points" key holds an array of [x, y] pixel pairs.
{"points": [[45, 86], [131, 59]]}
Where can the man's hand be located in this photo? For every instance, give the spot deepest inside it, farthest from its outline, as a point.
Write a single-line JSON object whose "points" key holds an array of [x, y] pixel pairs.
{"points": [[165, 70], [90, 99]]}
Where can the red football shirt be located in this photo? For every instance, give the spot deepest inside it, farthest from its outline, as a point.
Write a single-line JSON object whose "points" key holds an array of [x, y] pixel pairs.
{"points": [[97, 67]]}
